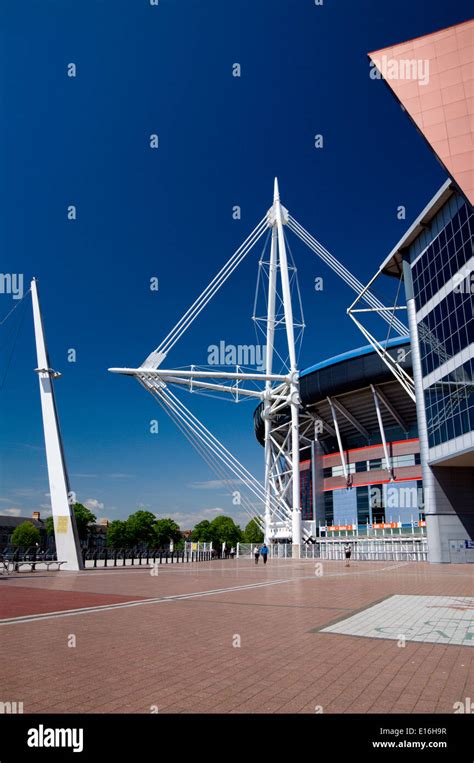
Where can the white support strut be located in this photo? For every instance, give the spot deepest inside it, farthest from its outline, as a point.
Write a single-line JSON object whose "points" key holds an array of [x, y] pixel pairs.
{"points": [[65, 530]]}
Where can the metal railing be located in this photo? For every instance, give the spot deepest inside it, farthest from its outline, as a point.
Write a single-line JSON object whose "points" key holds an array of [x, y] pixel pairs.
{"points": [[386, 549], [131, 557], [12, 559]]}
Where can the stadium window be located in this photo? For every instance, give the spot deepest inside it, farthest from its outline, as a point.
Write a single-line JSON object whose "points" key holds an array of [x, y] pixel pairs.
{"points": [[375, 463], [406, 460], [328, 507], [338, 471], [361, 466], [363, 509]]}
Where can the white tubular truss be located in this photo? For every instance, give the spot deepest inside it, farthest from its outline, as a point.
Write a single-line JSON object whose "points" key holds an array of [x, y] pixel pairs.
{"points": [[279, 498]]}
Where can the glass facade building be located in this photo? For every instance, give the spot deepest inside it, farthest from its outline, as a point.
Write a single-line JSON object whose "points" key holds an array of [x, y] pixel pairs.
{"points": [[449, 405], [442, 265], [436, 259]]}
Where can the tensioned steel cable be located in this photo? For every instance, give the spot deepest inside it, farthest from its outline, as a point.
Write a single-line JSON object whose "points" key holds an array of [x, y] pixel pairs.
{"points": [[204, 452], [200, 303], [222, 453], [13, 334], [210, 442], [345, 274]]}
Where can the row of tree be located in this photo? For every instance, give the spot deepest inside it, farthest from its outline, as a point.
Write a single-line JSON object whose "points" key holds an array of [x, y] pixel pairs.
{"points": [[143, 529], [224, 530]]}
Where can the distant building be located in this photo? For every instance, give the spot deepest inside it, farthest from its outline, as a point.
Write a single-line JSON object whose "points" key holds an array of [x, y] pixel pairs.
{"points": [[8, 525], [97, 537]]}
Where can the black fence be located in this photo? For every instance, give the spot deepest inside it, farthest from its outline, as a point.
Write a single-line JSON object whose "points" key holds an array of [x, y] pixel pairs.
{"points": [[104, 557], [122, 557]]}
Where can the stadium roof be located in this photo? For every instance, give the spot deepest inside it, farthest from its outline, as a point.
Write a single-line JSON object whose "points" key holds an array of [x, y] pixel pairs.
{"points": [[366, 350], [348, 383]]}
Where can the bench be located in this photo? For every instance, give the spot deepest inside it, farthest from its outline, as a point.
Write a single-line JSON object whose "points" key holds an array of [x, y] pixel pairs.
{"points": [[10, 565]]}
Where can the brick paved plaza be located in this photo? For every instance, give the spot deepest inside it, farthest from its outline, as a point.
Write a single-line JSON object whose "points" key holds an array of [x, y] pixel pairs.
{"points": [[227, 636]]}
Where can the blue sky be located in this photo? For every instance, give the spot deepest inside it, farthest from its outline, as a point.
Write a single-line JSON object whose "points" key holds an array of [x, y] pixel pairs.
{"points": [[168, 212]]}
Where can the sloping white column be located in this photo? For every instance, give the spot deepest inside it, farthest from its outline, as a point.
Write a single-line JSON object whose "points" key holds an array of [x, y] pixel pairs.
{"points": [[65, 530]]}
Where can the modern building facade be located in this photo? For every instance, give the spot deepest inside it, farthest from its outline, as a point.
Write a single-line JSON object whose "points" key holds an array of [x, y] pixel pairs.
{"points": [[435, 259], [372, 498]]}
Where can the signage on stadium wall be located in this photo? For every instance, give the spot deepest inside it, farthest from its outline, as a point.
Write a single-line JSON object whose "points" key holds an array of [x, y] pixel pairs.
{"points": [[332, 528], [375, 526]]}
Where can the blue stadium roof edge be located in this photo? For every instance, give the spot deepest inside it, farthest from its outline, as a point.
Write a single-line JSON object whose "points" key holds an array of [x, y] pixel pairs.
{"points": [[358, 352]]}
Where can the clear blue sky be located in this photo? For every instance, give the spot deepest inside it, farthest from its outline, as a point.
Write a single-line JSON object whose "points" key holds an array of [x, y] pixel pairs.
{"points": [[168, 212]]}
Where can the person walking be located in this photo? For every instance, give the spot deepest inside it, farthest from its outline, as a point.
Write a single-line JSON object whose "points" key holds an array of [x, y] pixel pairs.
{"points": [[256, 552], [347, 553], [232, 552], [264, 552]]}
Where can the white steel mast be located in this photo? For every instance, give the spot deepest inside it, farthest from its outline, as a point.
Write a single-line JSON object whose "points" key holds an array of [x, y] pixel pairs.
{"points": [[294, 391], [285, 424]]}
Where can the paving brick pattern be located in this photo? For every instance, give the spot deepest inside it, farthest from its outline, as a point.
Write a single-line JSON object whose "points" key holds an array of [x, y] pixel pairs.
{"points": [[239, 639]]}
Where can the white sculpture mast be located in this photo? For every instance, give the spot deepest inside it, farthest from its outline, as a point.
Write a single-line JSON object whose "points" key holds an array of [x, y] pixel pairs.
{"points": [[65, 530]]}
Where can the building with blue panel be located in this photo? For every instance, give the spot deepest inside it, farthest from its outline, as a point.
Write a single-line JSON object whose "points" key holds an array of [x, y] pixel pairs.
{"points": [[357, 471], [435, 259]]}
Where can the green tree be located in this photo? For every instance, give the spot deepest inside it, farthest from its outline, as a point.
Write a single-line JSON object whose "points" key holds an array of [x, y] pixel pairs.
{"points": [[25, 535], [49, 526], [224, 530], [140, 527], [202, 532], [84, 518], [117, 534], [166, 530], [253, 533]]}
